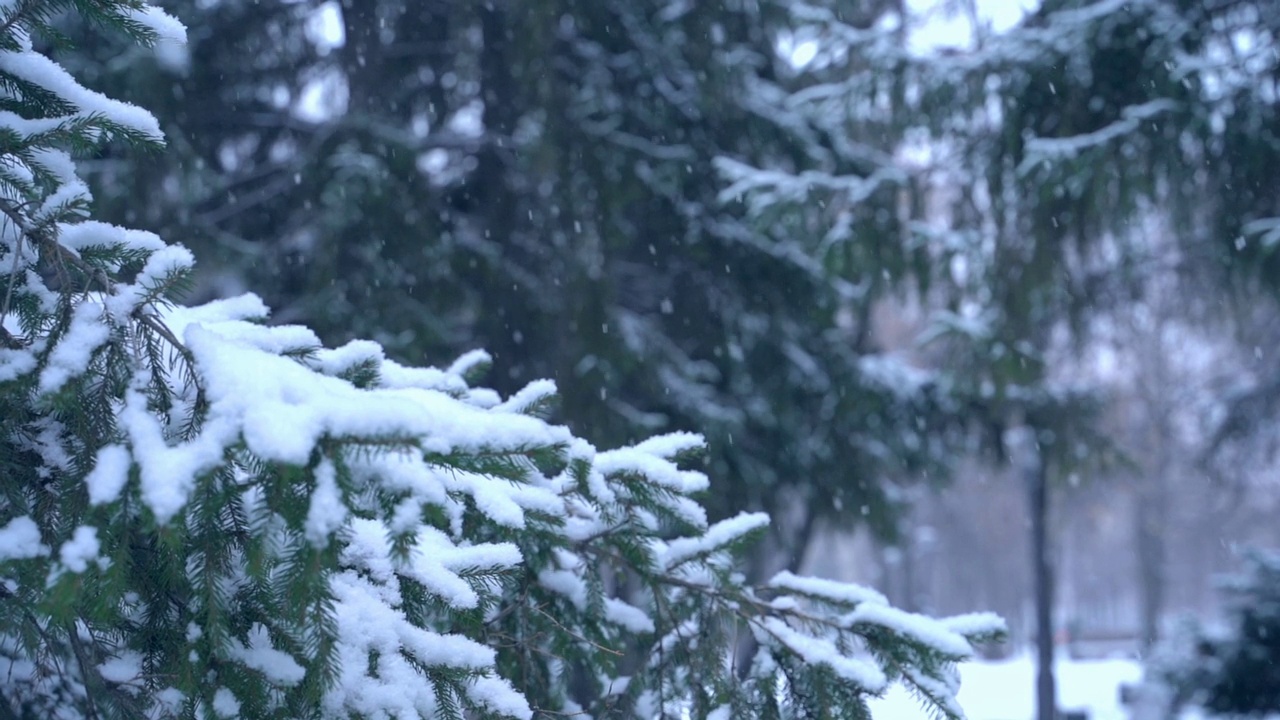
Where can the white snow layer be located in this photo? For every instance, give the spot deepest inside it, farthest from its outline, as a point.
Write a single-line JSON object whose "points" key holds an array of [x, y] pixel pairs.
{"points": [[124, 668], [225, 704], [864, 673], [37, 69], [159, 22], [20, 539], [80, 550], [327, 512], [260, 654], [70, 356], [716, 538], [109, 474], [827, 589]]}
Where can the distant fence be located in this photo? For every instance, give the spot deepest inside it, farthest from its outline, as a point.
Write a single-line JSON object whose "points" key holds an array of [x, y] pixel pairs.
{"points": [[1084, 643]]}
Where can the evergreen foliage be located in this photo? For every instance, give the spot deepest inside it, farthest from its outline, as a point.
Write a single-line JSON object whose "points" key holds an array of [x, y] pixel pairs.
{"points": [[577, 165], [1087, 126], [1235, 673], [1103, 150], [202, 516]]}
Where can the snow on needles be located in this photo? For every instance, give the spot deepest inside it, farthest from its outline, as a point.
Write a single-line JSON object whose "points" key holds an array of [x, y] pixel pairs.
{"points": [[163, 25], [827, 589], [80, 550], [35, 68], [109, 474], [926, 630], [976, 624], [71, 355], [864, 673], [327, 512], [20, 539], [949, 636], [261, 654], [283, 408], [717, 537]]}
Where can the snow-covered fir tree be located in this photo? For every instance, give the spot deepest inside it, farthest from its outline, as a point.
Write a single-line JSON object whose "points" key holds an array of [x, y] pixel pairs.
{"points": [[203, 516]]}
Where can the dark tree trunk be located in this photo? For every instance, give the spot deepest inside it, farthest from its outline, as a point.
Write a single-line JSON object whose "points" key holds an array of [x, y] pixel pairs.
{"points": [[362, 56], [1152, 499], [1151, 558], [495, 199], [1042, 572], [910, 594]]}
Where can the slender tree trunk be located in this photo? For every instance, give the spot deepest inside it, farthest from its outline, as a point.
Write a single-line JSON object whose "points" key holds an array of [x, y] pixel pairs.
{"points": [[1042, 572], [362, 56], [1151, 513], [908, 565], [1151, 559], [507, 332]]}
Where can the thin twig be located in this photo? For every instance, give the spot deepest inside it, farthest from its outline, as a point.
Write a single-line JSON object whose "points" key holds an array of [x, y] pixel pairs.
{"points": [[88, 669], [13, 276], [575, 635]]}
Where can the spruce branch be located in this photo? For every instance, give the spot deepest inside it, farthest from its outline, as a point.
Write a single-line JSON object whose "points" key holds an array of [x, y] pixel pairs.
{"points": [[45, 239], [18, 16]]}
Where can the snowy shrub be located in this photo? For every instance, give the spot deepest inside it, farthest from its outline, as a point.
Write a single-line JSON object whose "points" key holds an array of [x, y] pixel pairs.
{"points": [[1228, 671], [204, 516]]}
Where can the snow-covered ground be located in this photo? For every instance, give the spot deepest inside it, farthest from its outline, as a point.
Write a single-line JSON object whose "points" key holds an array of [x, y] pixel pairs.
{"points": [[1006, 690]]}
